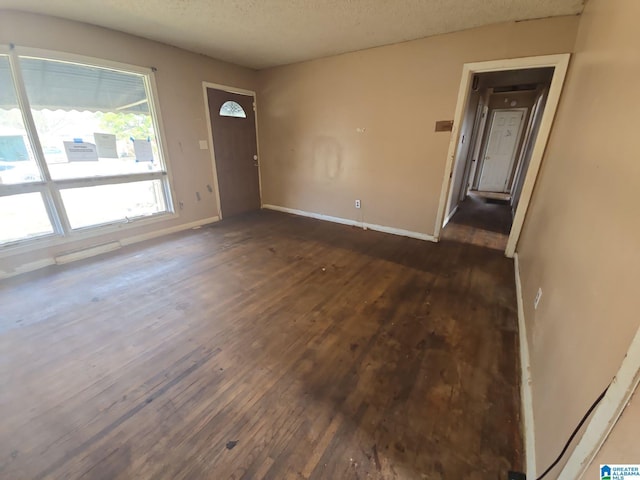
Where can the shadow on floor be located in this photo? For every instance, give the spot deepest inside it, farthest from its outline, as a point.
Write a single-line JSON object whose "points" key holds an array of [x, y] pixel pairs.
{"points": [[316, 350], [480, 221]]}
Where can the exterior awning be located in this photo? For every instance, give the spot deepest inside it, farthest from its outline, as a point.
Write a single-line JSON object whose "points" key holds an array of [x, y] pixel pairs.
{"points": [[65, 86]]}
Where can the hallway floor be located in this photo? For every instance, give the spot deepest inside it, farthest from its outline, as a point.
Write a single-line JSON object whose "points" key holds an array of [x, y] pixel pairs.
{"points": [[480, 221]]}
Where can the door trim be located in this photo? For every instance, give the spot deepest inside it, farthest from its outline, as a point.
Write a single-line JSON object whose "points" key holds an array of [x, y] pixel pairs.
{"points": [[239, 91], [477, 152], [607, 414], [560, 62]]}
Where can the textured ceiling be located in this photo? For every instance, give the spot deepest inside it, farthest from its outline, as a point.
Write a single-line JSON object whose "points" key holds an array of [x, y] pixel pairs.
{"points": [[266, 33]]}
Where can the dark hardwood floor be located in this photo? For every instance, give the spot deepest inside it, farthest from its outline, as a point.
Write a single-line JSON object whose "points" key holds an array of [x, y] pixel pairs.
{"points": [[267, 346], [480, 221]]}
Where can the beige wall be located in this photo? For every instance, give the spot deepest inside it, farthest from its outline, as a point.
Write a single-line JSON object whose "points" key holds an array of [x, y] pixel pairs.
{"points": [[622, 446], [581, 240], [179, 80], [313, 158]]}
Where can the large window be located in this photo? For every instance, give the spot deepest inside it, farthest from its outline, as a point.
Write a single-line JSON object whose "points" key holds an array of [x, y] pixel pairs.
{"points": [[79, 147]]}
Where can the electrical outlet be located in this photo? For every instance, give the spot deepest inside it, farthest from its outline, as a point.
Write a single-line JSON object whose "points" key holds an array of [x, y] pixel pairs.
{"points": [[536, 301], [357, 203]]}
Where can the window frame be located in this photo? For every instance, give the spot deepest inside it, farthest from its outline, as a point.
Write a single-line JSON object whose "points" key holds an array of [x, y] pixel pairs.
{"points": [[233, 104], [50, 189]]}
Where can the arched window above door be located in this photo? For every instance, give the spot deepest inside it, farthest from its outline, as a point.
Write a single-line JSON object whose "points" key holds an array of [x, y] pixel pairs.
{"points": [[232, 109]]}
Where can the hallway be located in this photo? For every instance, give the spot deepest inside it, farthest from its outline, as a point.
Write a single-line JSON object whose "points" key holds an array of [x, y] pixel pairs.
{"points": [[480, 221]]}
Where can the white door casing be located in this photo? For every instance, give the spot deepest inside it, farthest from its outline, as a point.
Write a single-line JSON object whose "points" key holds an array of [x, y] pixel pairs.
{"points": [[560, 64], [475, 157]]}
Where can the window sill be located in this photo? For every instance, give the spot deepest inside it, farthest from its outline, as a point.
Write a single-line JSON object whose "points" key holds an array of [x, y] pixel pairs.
{"points": [[52, 240]]}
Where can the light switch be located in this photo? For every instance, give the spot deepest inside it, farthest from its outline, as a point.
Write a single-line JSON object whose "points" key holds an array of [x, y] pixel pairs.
{"points": [[204, 145]]}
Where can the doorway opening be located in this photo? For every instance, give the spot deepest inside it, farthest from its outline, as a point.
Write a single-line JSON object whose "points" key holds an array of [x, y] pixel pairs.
{"points": [[233, 135], [503, 118]]}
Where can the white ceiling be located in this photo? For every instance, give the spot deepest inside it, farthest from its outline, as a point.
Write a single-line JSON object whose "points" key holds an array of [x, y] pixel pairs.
{"points": [[266, 33]]}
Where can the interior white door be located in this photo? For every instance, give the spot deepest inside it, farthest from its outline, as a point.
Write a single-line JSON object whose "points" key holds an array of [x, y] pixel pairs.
{"points": [[499, 155]]}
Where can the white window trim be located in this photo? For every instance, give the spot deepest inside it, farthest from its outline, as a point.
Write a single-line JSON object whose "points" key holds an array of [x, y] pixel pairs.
{"points": [[63, 233], [81, 59], [51, 240]]}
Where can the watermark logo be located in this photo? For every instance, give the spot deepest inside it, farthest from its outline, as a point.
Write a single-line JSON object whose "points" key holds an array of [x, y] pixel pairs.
{"points": [[620, 472]]}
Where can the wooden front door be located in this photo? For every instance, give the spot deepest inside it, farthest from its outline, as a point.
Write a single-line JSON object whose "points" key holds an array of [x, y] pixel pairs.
{"points": [[235, 148]]}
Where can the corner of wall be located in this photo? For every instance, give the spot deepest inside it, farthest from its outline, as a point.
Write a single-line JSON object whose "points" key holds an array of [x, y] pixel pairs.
{"points": [[526, 395]]}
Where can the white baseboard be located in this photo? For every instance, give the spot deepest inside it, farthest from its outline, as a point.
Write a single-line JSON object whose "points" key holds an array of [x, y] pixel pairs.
{"points": [[166, 231], [526, 394], [86, 253], [27, 267], [346, 221], [450, 216], [104, 248]]}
